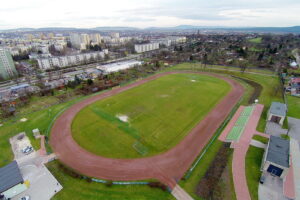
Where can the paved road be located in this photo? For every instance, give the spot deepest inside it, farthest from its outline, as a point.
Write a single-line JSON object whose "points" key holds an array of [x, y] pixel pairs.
{"points": [[294, 126], [167, 167]]}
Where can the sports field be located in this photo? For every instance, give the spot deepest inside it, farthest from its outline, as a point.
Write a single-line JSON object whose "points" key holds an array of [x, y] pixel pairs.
{"points": [[148, 119]]}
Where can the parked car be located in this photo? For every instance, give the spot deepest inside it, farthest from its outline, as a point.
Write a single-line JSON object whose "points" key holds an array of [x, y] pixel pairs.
{"points": [[25, 198], [262, 179], [27, 150]]}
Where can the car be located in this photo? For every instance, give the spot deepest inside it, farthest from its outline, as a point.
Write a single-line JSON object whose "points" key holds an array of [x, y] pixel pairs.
{"points": [[25, 198], [262, 179], [27, 150]]}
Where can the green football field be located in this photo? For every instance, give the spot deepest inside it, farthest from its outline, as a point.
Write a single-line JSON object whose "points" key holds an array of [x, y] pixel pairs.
{"points": [[148, 119]]}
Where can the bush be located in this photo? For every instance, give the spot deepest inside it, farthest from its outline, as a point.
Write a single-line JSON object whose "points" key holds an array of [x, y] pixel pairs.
{"points": [[158, 185], [109, 183]]}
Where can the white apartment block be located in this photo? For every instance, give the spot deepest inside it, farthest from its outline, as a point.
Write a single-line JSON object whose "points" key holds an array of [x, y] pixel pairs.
{"points": [[64, 61], [177, 39], [140, 48], [95, 38], [79, 41], [115, 35]]}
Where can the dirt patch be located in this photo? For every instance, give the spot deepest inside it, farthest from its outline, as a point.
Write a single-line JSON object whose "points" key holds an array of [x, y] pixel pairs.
{"points": [[209, 186]]}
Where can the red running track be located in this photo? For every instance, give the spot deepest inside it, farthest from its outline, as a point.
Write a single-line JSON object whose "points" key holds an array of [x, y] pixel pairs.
{"points": [[167, 167]]}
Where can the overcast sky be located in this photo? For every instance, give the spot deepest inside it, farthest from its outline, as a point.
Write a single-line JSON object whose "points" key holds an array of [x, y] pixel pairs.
{"points": [[146, 13]]}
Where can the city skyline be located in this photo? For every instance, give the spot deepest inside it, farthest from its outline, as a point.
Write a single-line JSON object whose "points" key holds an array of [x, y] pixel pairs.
{"points": [[165, 13]]}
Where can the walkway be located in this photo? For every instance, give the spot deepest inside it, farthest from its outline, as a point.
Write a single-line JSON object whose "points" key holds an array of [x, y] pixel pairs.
{"points": [[258, 144], [275, 129], [239, 154], [180, 194], [295, 154], [241, 147], [294, 125]]}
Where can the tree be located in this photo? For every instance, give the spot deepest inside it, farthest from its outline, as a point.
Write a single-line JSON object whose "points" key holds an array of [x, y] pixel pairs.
{"points": [[90, 82]]}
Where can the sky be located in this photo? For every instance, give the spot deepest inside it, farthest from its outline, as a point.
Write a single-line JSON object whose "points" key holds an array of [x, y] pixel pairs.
{"points": [[148, 13]]}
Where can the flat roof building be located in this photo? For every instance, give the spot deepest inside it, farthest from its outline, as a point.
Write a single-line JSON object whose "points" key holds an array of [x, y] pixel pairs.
{"points": [[11, 181], [277, 113], [7, 66], [277, 157]]}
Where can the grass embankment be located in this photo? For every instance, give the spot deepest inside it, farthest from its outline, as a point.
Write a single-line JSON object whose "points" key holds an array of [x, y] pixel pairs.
{"points": [[80, 189], [253, 163], [160, 114]]}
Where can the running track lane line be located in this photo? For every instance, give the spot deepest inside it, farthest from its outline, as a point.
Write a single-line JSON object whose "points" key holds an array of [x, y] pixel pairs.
{"points": [[170, 166]]}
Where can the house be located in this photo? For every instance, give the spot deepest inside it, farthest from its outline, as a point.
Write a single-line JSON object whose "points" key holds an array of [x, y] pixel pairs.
{"points": [[277, 113], [295, 86], [11, 181], [276, 160]]}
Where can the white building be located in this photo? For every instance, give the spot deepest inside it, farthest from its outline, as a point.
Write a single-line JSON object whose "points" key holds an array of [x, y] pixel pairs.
{"points": [[95, 38], [7, 66], [115, 35], [140, 48], [64, 61], [79, 41], [114, 67]]}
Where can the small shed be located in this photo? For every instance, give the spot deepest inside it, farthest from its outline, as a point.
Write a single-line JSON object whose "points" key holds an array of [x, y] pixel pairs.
{"points": [[36, 133], [276, 160], [11, 181], [277, 113]]}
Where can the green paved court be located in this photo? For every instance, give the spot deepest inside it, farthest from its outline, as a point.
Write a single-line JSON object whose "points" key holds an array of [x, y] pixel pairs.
{"points": [[238, 128]]}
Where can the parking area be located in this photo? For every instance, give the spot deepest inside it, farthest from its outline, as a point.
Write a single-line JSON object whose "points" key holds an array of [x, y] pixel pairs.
{"points": [[18, 143], [272, 188], [42, 184]]}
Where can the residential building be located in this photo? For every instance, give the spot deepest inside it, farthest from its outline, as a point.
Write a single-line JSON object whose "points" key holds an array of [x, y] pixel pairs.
{"points": [[11, 181], [140, 48], [276, 159], [115, 35], [95, 38], [295, 86], [79, 41], [64, 61], [7, 66], [277, 113]]}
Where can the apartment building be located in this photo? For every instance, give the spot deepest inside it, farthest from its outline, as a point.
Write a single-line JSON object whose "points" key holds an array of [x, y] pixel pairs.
{"points": [[140, 48], [7, 66], [64, 61]]}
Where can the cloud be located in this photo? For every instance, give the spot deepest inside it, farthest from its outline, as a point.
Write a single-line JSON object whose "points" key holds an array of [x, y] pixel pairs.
{"points": [[91, 13]]}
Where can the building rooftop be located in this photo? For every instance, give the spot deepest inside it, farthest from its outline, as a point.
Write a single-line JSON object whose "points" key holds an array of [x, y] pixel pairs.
{"points": [[10, 176], [278, 109], [278, 151]]}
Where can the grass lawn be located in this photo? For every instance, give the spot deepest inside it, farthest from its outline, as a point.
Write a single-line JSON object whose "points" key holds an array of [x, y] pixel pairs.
{"points": [[160, 114], [293, 106], [81, 189], [256, 40], [253, 162], [269, 83], [260, 139]]}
